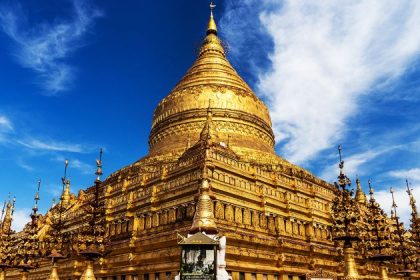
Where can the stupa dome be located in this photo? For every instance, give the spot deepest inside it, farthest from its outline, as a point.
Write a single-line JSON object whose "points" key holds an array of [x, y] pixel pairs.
{"points": [[241, 118]]}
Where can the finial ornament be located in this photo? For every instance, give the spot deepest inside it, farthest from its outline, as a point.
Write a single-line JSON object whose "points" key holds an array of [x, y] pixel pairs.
{"points": [[343, 180], [99, 172], [212, 6], [394, 205], [212, 28], [341, 164], [64, 178], [37, 197], [409, 189]]}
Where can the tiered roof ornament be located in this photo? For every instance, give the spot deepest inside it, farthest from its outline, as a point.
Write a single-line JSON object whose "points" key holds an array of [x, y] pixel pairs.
{"points": [[65, 194], [203, 220], [403, 247], [209, 133], [414, 227], [28, 249], [7, 221], [360, 195], [93, 236], [379, 231], [6, 256], [56, 238], [345, 212]]}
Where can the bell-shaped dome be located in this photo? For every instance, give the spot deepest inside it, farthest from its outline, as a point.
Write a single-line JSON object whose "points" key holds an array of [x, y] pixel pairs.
{"points": [[240, 117]]}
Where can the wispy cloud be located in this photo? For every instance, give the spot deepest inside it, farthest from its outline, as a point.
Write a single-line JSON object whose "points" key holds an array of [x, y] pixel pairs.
{"points": [[325, 56], [354, 163], [402, 200], [82, 166], [412, 174], [6, 127], [20, 218], [5, 123], [51, 145], [45, 47]]}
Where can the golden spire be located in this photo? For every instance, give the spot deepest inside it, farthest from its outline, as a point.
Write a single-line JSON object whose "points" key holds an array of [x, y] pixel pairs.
{"points": [[212, 27], [7, 222], [99, 172], [65, 195], [371, 191], [360, 195], [412, 201], [204, 218], [2, 215], [209, 133]]}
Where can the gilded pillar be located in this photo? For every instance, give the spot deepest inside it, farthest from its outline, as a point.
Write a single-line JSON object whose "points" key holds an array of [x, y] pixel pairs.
{"points": [[190, 211], [271, 224], [148, 221], [25, 275], [238, 215], [229, 213], [164, 217], [155, 221], [220, 210], [171, 215], [255, 219], [383, 271], [349, 262], [141, 223], [263, 220], [247, 217], [88, 273], [54, 273], [309, 228]]}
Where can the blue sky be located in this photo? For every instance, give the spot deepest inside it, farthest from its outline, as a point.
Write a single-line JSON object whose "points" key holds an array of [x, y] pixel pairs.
{"points": [[79, 75]]}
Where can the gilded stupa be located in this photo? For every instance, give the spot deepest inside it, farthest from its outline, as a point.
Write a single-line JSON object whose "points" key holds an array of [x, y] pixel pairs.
{"points": [[241, 117], [211, 167]]}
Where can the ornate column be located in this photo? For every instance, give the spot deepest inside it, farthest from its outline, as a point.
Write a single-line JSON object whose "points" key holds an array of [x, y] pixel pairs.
{"points": [[350, 269], [88, 273], [25, 275]]}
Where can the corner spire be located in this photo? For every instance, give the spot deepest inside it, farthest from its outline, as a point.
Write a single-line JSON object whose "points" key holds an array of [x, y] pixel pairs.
{"points": [[204, 217], [412, 201], [360, 195], [209, 132], [212, 27], [7, 222], [371, 192]]}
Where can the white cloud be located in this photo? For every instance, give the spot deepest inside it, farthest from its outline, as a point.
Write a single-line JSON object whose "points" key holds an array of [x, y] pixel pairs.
{"points": [[353, 163], [326, 55], [410, 174], [85, 168], [6, 127], [5, 123], [37, 144], [43, 48], [401, 199], [82, 166], [21, 217]]}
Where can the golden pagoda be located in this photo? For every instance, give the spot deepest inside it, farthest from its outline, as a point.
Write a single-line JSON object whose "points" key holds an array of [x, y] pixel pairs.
{"points": [[211, 167]]}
